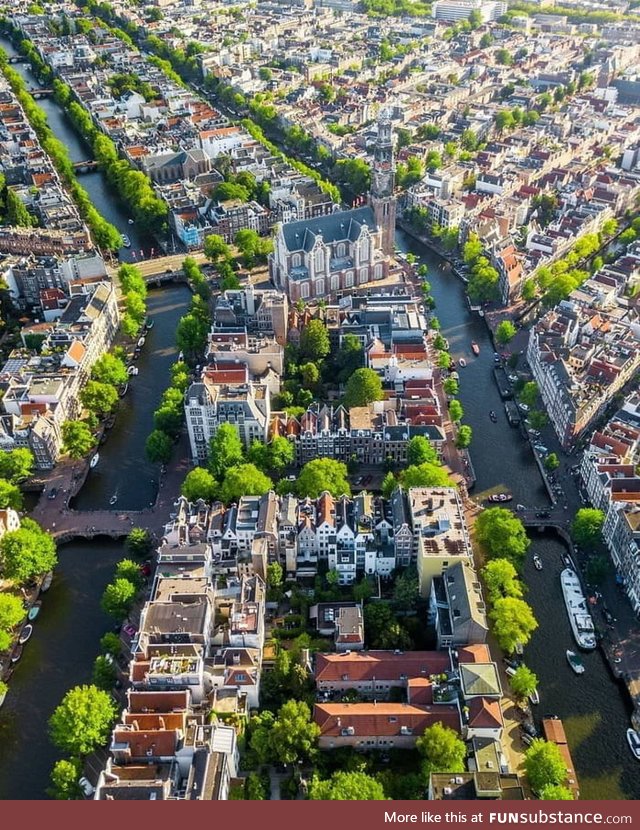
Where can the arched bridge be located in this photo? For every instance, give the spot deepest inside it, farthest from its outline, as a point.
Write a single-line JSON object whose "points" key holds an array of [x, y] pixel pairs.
{"points": [[67, 524]]}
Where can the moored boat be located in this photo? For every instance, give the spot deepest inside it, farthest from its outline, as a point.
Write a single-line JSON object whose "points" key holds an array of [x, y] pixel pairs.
{"points": [[534, 697], [575, 662], [126, 242], [94, 460], [493, 416], [149, 325], [46, 582], [633, 739], [123, 390], [17, 653], [3, 695], [141, 342], [577, 610], [475, 348], [130, 221], [500, 497], [537, 562], [113, 499], [26, 632], [462, 362], [34, 610]]}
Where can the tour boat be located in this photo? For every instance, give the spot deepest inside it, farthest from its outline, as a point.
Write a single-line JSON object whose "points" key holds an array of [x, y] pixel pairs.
{"points": [[633, 739], [575, 662], [493, 416], [34, 611], [46, 582], [462, 362], [497, 497], [17, 653], [534, 697], [94, 460], [126, 242], [26, 632], [475, 348], [576, 605], [537, 562]]}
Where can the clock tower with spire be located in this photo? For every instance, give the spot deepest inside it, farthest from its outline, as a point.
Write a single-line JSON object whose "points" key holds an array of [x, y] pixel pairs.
{"points": [[381, 198]]}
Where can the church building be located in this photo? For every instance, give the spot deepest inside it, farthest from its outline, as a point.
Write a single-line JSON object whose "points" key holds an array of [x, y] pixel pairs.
{"points": [[317, 258]]}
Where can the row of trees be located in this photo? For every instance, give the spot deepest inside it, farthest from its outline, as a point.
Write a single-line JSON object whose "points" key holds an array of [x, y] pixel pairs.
{"points": [[424, 469], [483, 282], [105, 234]]}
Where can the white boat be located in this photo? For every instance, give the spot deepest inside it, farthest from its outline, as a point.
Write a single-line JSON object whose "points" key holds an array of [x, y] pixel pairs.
{"points": [[633, 739], [534, 697], [123, 390], [94, 460], [2, 697], [576, 605], [46, 582], [132, 370], [113, 499], [141, 342], [130, 221], [462, 362], [26, 632], [126, 242], [537, 562], [575, 662]]}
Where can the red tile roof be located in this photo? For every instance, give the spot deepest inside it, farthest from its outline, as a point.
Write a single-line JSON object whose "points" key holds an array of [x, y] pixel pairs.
{"points": [[381, 665], [485, 714], [381, 719]]}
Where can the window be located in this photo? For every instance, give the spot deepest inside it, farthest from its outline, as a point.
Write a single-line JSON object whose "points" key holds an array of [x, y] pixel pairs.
{"points": [[240, 677], [304, 290], [296, 261], [348, 279]]}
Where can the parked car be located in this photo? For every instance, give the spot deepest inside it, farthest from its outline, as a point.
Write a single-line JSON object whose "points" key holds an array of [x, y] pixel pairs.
{"points": [[543, 514], [130, 630], [86, 786]]}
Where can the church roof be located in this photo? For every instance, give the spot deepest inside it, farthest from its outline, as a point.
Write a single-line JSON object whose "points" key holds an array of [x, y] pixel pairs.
{"points": [[334, 227]]}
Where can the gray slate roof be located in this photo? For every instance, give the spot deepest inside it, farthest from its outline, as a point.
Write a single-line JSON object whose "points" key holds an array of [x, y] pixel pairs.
{"points": [[343, 225]]}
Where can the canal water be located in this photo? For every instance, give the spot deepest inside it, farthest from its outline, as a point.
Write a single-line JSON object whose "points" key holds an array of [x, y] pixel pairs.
{"points": [[59, 655], [594, 707]]}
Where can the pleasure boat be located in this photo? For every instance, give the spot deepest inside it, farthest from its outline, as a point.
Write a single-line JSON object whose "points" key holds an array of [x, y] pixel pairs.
{"points": [[3, 696], [149, 325], [493, 416], [575, 662], [113, 499], [17, 653], [537, 562], [34, 611], [123, 391], [534, 697], [132, 370], [576, 604], [26, 632], [130, 221], [633, 739], [46, 582], [141, 342], [462, 363], [475, 348], [499, 497], [126, 242], [94, 460]]}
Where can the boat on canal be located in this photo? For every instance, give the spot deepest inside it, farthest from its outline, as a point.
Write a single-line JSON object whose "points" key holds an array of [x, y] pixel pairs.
{"points": [[500, 497], [3, 695], [537, 562], [46, 582], [130, 221], [573, 658], [534, 697], [114, 498], [493, 416], [26, 632], [126, 242], [633, 739], [123, 390], [94, 460], [149, 325], [462, 362], [576, 604], [141, 342], [17, 653], [34, 611], [475, 348]]}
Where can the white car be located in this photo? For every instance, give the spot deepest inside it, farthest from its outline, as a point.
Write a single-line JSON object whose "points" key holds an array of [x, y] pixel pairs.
{"points": [[523, 407], [86, 786]]}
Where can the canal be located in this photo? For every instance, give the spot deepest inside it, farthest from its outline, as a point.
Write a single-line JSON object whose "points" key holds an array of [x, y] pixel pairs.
{"points": [[594, 707]]}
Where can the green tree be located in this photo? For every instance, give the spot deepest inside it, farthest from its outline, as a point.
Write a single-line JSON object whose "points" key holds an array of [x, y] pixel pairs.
{"points": [[420, 451], [11, 612], [77, 439], [282, 454], [10, 495], [347, 786], [537, 419], [294, 735], [199, 484], [529, 394], [274, 575], [27, 552], [215, 248], [363, 387], [191, 335], [314, 341], [350, 357], [225, 450], [99, 398], [109, 369], [16, 212], [389, 484], [455, 410], [405, 591], [551, 462], [598, 568], [442, 750], [464, 436], [544, 765], [83, 721], [244, 480], [159, 447], [504, 57], [111, 644], [586, 527], [130, 570], [425, 475], [501, 534], [255, 788], [310, 375], [139, 542], [354, 174], [382, 629], [556, 792], [524, 682], [501, 579], [513, 622], [104, 673], [16, 465], [118, 598], [323, 474], [505, 332], [64, 780]]}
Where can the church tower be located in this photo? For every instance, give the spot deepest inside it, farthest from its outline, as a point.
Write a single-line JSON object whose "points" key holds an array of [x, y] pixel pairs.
{"points": [[381, 197]]}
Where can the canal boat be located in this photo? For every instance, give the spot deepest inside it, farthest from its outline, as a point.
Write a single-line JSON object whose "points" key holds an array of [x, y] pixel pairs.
{"points": [[3, 695], [130, 221], [537, 562], [575, 662], [534, 697], [141, 342], [475, 348], [149, 325], [114, 498], [462, 362], [493, 416], [46, 582], [26, 632], [17, 653], [131, 370], [576, 604], [34, 611], [126, 242], [527, 740], [499, 497], [633, 739], [94, 460], [123, 390]]}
